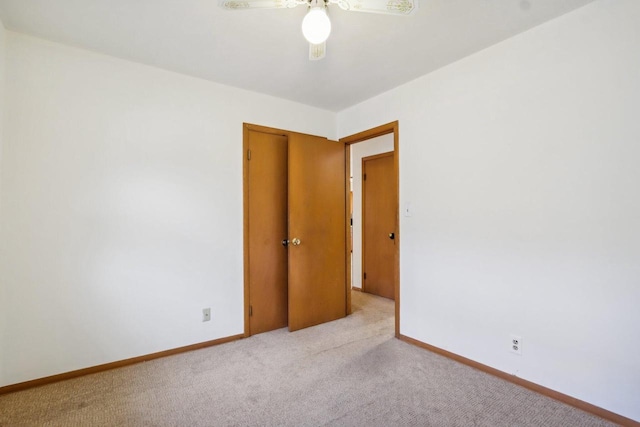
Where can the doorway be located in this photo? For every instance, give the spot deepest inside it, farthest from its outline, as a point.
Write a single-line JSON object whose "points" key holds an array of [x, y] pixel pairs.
{"points": [[367, 137], [294, 238]]}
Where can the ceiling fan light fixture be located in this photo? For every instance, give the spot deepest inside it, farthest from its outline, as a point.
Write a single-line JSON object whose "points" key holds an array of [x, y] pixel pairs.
{"points": [[316, 25]]}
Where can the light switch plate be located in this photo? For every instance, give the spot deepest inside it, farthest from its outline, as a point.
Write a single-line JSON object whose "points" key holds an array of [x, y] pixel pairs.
{"points": [[407, 209]]}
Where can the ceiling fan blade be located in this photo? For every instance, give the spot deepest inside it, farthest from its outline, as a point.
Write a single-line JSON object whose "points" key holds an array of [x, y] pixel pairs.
{"points": [[317, 51], [389, 7], [259, 4]]}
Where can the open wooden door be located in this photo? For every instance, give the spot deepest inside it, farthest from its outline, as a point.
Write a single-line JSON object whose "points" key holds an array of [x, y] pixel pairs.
{"points": [[317, 275]]}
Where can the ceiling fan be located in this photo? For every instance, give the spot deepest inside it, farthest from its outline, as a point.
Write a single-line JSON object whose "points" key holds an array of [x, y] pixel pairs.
{"points": [[316, 25]]}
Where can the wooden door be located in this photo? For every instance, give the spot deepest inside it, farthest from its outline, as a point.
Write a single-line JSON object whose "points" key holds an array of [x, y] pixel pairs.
{"points": [[317, 275], [267, 227], [378, 225]]}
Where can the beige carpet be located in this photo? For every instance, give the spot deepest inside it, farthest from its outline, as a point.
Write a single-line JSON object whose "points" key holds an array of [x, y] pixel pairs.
{"points": [[350, 372]]}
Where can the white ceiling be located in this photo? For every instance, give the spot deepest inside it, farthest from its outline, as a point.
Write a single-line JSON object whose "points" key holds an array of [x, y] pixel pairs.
{"points": [[264, 51]]}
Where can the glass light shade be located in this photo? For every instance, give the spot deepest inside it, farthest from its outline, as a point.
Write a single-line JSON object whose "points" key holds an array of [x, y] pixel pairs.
{"points": [[316, 25]]}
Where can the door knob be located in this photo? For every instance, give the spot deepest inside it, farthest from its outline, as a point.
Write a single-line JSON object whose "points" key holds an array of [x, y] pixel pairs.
{"points": [[285, 243], [295, 241], [392, 236]]}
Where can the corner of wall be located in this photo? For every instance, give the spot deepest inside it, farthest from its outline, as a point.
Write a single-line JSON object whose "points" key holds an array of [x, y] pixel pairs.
{"points": [[2, 289]]}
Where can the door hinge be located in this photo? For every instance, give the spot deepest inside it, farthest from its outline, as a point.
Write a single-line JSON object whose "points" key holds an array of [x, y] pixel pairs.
{"points": [[364, 178], [365, 276], [250, 310], [248, 154]]}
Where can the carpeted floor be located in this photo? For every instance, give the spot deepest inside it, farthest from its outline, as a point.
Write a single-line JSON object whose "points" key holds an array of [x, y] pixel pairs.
{"points": [[351, 372]]}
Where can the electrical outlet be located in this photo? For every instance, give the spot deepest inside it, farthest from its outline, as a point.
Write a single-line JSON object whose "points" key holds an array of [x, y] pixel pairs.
{"points": [[515, 345], [206, 314]]}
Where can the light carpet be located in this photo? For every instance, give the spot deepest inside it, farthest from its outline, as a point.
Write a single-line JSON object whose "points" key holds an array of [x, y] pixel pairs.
{"points": [[351, 372]]}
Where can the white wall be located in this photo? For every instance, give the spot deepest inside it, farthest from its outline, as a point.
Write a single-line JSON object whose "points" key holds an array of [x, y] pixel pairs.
{"points": [[521, 165], [121, 206], [3, 321], [370, 147]]}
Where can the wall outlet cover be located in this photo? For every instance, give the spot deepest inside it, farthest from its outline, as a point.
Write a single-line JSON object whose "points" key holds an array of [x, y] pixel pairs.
{"points": [[515, 344]]}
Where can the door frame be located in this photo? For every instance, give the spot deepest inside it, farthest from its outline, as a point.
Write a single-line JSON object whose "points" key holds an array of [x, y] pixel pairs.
{"points": [[363, 136]]}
